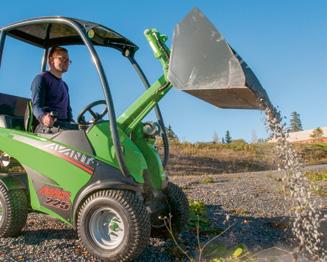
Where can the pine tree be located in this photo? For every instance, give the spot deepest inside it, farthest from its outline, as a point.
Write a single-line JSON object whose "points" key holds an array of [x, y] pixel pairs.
{"points": [[295, 122], [228, 138], [170, 133]]}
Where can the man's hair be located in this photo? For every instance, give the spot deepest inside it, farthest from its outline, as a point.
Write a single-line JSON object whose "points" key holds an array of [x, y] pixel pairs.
{"points": [[57, 49]]}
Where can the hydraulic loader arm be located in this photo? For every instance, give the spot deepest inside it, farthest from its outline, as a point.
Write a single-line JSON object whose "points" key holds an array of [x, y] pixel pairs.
{"points": [[144, 104]]}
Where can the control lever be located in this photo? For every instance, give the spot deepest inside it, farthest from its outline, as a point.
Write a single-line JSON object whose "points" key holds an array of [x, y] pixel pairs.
{"points": [[54, 116]]}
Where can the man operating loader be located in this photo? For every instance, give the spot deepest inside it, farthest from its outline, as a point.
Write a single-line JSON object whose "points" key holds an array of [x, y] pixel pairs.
{"points": [[50, 96]]}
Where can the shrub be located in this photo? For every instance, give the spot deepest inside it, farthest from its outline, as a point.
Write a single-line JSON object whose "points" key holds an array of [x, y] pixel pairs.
{"points": [[198, 216], [207, 180]]}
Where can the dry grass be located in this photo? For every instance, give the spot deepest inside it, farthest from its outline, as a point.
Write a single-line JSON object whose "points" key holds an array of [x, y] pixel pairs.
{"points": [[317, 176], [313, 153], [211, 159]]}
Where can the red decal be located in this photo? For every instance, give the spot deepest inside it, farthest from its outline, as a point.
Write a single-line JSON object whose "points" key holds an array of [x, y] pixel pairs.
{"points": [[55, 193], [83, 166], [86, 168]]}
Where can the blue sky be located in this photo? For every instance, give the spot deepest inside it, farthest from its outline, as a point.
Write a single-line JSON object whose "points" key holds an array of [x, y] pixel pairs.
{"points": [[284, 42]]}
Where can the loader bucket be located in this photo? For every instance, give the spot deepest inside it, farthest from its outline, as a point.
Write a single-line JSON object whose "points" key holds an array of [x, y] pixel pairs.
{"points": [[204, 65]]}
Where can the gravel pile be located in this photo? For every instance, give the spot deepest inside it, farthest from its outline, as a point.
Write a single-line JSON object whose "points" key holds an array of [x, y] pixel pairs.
{"points": [[253, 202]]}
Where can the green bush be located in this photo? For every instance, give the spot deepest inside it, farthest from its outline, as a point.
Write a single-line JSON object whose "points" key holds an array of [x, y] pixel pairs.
{"points": [[207, 180], [220, 253], [198, 216], [317, 175]]}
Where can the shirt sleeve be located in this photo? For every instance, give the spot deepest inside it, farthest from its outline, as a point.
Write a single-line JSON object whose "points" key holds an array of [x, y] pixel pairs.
{"points": [[38, 96]]}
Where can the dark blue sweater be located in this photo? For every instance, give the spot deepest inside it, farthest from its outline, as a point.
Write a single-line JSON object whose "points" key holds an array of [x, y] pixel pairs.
{"points": [[50, 93]]}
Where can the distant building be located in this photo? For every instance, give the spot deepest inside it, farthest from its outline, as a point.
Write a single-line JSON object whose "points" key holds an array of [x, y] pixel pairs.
{"points": [[306, 136]]}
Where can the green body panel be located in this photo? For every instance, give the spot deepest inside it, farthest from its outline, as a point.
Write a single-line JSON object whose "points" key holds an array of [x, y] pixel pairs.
{"points": [[69, 177], [104, 150], [155, 168], [139, 153]]}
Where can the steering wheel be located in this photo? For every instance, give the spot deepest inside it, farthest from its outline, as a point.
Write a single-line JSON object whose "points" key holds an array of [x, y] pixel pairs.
{"points": [[95, 116]]}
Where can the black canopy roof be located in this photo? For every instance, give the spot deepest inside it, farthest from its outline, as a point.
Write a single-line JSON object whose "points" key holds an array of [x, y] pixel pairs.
{"points": [[46, 32]]}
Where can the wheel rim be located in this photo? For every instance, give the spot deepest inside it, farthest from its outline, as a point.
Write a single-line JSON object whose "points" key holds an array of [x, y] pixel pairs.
{"points": [[107, 228]]}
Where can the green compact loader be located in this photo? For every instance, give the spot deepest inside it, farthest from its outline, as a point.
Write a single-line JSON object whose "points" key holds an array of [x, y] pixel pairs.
{"points": [[106, 177]]}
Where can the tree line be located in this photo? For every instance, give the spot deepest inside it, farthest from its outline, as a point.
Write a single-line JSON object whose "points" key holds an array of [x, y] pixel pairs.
{"points": [[295, 125]]}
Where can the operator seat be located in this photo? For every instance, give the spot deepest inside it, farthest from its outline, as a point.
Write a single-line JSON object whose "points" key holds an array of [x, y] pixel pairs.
{"points": [[12, 111]]}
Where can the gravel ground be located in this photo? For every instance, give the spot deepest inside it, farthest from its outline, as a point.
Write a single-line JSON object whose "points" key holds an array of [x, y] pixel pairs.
{"points": [[254, 203]]}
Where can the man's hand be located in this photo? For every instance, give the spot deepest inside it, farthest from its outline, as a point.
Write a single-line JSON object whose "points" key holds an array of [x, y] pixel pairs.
{"points": [[47, 120]]}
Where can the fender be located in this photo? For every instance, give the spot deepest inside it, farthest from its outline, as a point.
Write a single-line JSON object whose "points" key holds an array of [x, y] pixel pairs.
{"points": [[105, 177]]}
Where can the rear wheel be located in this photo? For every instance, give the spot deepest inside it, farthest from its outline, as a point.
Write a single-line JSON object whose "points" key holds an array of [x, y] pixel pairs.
{"points": [[13, 211], [179, 207], [114, 225], [179, 210]]}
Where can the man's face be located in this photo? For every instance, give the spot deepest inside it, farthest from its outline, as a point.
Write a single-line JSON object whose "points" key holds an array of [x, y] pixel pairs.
{"points": [[59, 61]]}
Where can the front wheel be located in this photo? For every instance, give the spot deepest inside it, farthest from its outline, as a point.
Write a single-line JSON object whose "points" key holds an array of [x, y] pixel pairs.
{"points": [[114, 225]]}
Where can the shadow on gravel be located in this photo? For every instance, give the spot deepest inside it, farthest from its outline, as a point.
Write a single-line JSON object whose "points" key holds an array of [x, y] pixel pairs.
{"points": [[36, 237], [255, 232], [258, 234]]}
